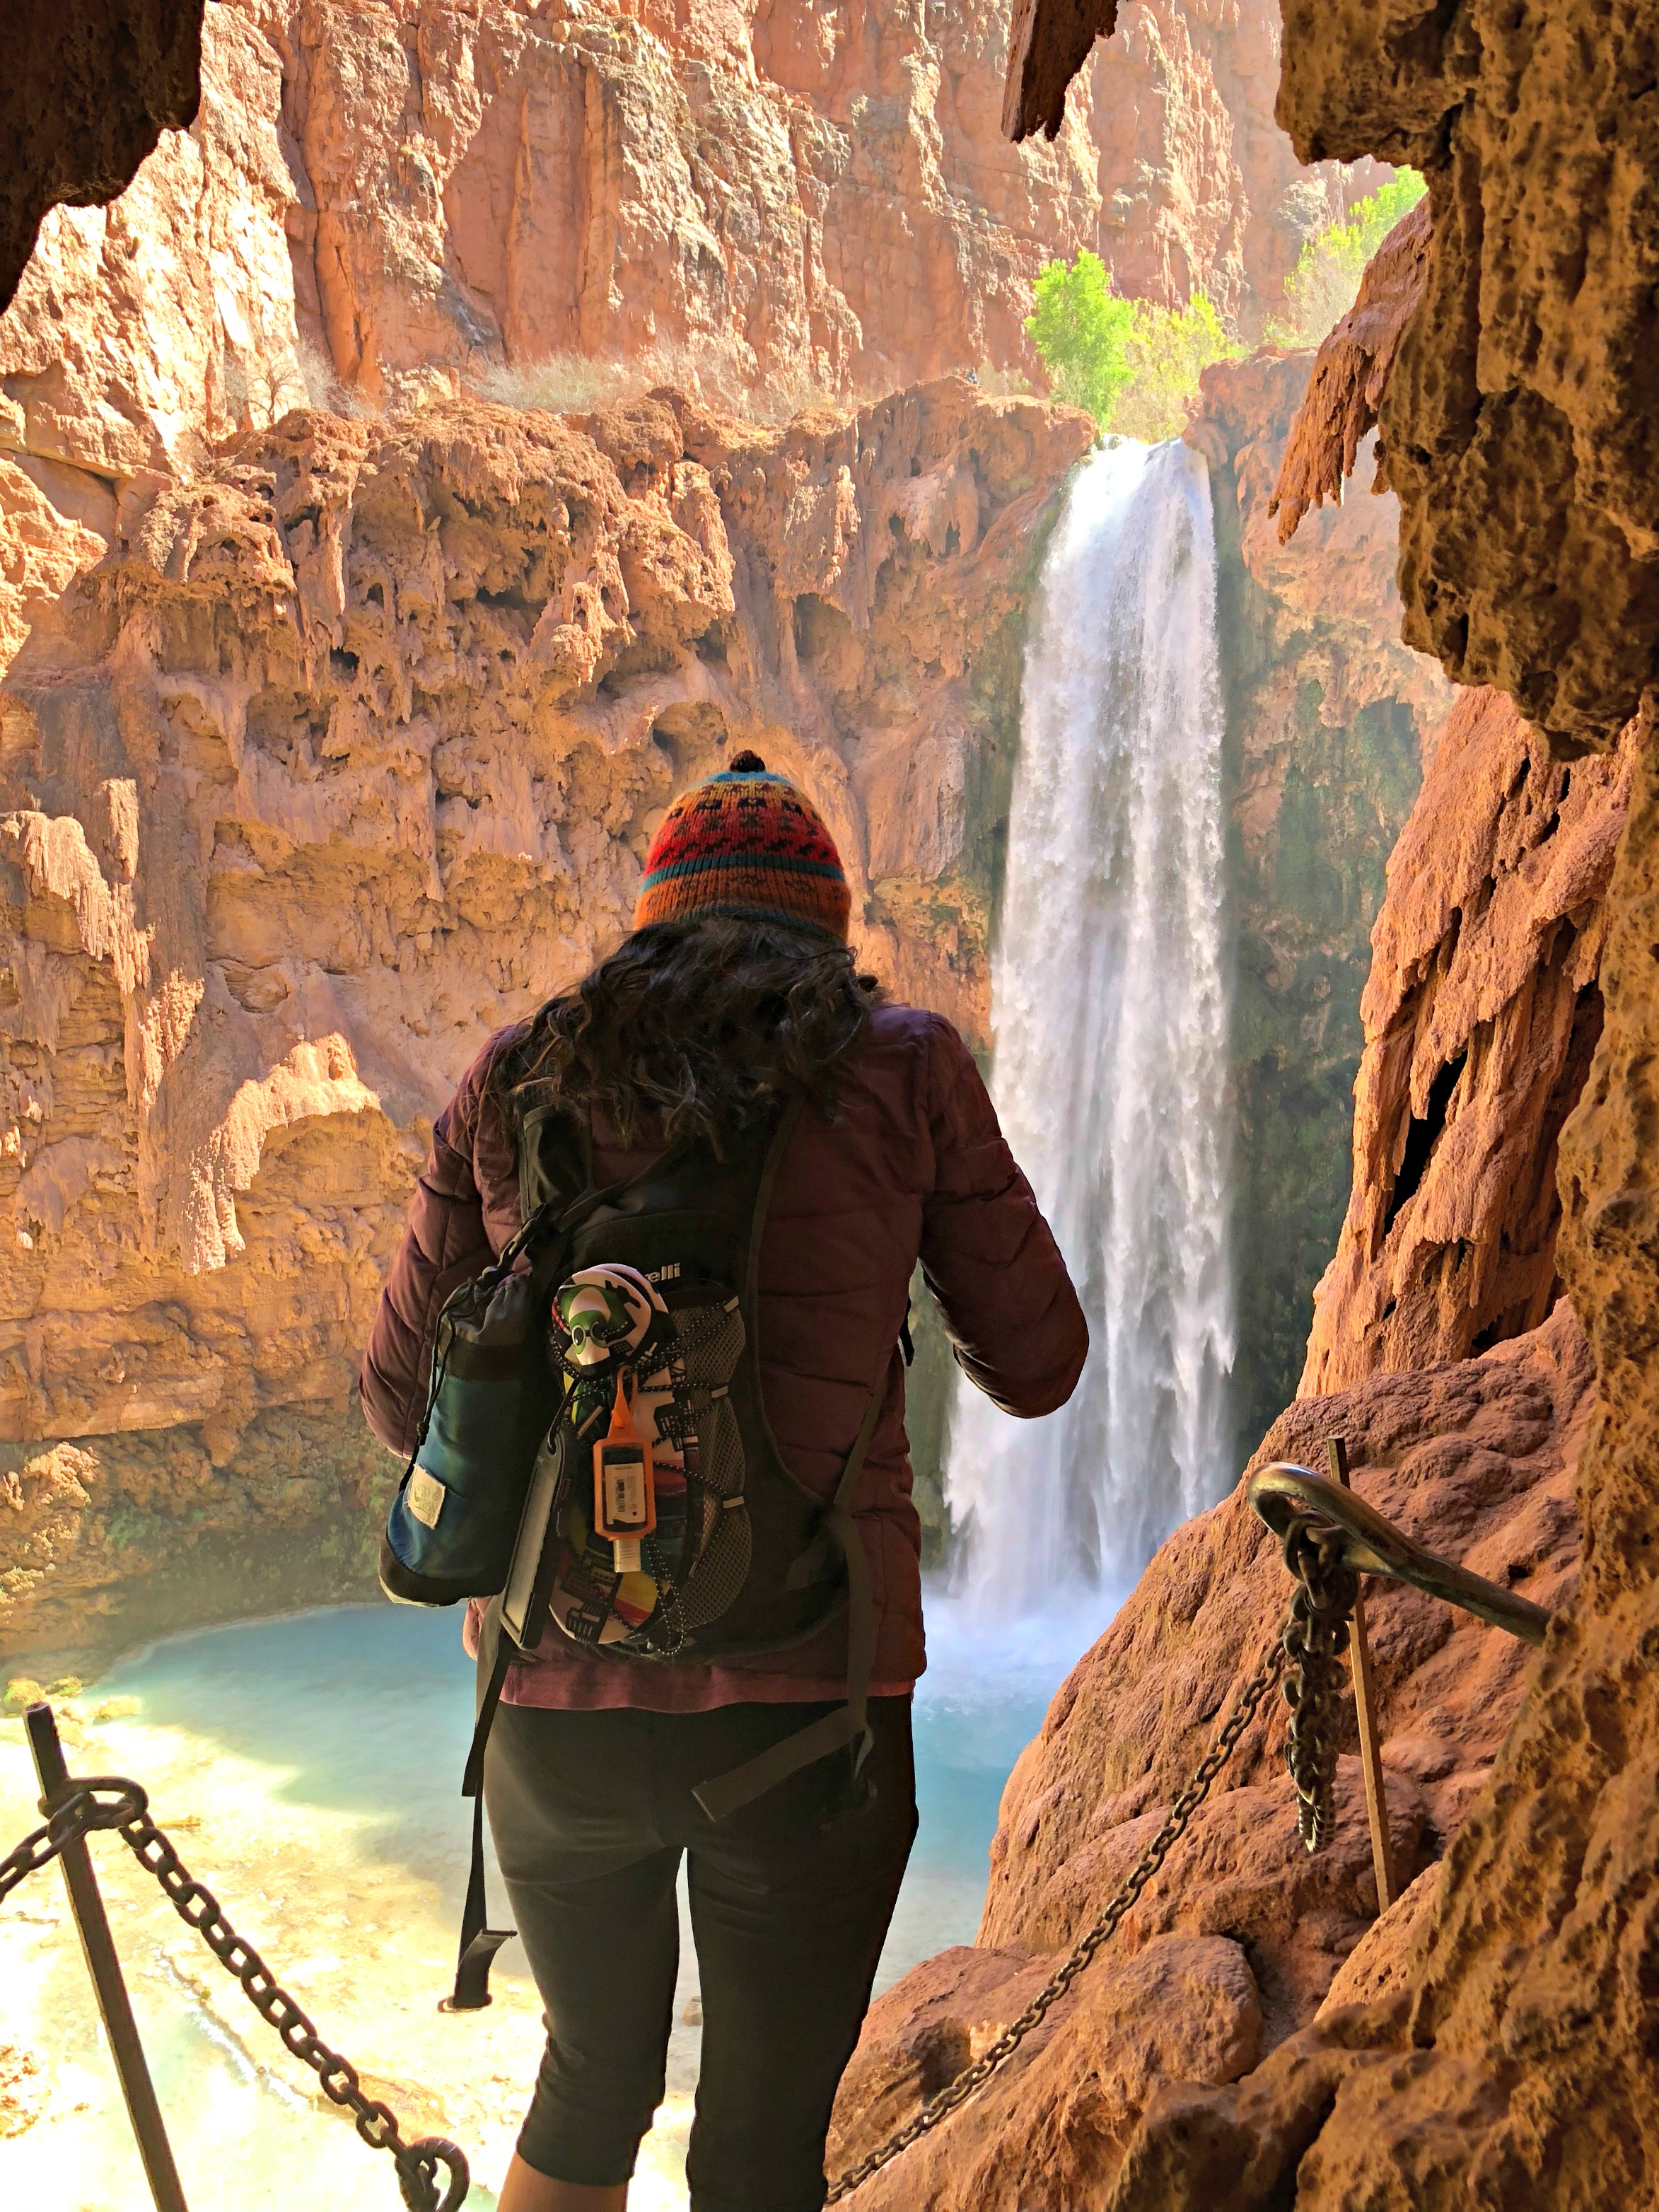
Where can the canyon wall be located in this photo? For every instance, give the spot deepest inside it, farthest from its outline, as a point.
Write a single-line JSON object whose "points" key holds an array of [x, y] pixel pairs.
{"points": [[1243, 1944], [264, 894], [1481, 1013], [347, 753], [399, 197], [1200, 190]]}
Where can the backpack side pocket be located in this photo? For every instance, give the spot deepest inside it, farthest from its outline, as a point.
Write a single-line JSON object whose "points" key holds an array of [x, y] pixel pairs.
{"points": [[451, 1530]]}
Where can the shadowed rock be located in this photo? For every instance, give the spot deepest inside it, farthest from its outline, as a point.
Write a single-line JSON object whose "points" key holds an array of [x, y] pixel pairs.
{"points": [[89, 86]]}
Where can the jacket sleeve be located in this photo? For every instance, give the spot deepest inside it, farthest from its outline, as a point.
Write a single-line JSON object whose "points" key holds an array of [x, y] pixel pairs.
{"points": [[989, 1257], [445, 1243]]}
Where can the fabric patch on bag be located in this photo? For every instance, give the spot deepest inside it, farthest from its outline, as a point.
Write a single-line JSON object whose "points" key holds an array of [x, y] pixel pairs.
{"points": [[425, 1498]]}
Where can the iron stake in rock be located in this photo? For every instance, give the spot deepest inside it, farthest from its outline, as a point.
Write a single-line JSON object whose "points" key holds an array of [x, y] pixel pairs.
{"points": [[1364, 1699]]}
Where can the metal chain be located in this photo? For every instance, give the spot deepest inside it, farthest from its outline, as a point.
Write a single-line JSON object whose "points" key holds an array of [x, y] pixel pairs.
{"points": [[957, 2093], [1315, 1637], [77, 1816], [418, 2164]]}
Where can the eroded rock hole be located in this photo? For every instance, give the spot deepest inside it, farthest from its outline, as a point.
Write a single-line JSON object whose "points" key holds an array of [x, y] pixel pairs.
{"points": [[1422, 1137]]}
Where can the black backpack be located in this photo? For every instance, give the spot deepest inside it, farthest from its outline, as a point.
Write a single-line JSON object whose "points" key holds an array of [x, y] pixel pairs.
{"points": [[628, 1309]]}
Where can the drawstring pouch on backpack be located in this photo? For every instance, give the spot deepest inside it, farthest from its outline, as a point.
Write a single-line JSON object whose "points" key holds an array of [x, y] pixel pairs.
{"points": [[494, 1390]]}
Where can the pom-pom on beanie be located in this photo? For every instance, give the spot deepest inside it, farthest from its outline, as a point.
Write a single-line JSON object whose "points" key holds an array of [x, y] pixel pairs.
{"points": [[744, 842]]}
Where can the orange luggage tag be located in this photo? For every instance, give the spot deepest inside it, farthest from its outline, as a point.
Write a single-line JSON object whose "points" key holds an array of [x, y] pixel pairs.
{"points": [[624, 1490]]}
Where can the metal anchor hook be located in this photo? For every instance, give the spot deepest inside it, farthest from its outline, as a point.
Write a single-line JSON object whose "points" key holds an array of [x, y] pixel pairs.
{"points": [[417, 2172], [1283, 1493]]}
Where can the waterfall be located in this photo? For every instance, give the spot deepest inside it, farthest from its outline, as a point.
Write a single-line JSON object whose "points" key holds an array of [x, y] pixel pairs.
{"points": [[1110, 1012]]}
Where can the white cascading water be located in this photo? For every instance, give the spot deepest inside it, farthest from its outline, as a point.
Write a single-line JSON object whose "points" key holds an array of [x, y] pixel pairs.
{"points": [[1109, 1006]]}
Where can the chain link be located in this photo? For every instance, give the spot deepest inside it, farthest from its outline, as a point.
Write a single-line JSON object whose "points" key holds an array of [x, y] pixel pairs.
{"points": [[997, 2055], [1312, 1640], [1315, 1637], [77, 1816], [418, 2164]]}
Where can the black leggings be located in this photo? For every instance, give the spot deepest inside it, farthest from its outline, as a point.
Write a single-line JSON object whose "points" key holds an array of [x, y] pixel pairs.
{"points": [[791, 1898]]}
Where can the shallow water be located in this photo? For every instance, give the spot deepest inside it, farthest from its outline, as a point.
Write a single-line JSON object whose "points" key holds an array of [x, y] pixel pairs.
{"points": [[308, 1770]]}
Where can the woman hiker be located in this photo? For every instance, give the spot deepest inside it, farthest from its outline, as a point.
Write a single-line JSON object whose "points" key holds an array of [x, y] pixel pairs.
{"points": [[734, 995]]}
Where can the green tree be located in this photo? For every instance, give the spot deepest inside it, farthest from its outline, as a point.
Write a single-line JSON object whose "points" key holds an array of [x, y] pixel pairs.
{"points": [[1323, 285], [1133, 366], [1081, 329], [1168, 349]]}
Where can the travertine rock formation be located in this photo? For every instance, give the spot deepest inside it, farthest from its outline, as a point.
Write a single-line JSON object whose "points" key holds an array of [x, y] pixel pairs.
{"points": [[1481, 1013], [1514, 2061], [1530, 361], [1351, 373], [347, 754], [1518, 2067], [1243, 1937], [88, 89], [1329, 718]]}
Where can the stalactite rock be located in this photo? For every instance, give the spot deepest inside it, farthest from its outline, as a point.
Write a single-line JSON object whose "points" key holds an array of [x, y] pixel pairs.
{"points": [[1351, 373], [1481, 1013], [90, 87], [1475, 1458], [1518, 418], [348, 753]]}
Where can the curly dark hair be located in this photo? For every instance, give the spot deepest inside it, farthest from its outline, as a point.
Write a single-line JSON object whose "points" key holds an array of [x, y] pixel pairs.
{"points": [[693, 1028]]}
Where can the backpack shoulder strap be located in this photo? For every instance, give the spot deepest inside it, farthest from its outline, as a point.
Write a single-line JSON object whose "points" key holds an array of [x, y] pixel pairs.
{"points": [[850, 1723], [769, 1176], [556, 1153], [480, 1941]]}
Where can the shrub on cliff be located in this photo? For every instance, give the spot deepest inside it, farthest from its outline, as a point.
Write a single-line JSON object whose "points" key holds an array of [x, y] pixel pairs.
{"points": [[1322, 287], [1133, 365], [1169, 348], [1081, 328]]}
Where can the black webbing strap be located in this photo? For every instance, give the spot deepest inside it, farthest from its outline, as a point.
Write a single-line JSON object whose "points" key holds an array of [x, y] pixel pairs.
{"points": [[724, 1793], [479, 1942], [773, 1162]]}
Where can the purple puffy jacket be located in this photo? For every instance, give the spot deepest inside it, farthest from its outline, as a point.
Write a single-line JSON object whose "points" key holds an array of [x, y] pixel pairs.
{"points": [[914, 1166]]}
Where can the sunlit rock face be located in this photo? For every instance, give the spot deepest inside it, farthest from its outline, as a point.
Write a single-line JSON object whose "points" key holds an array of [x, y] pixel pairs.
{"points": [[1242, 1941], [348, 754], [1199, 191], [1481, 1012], [394, 195]]}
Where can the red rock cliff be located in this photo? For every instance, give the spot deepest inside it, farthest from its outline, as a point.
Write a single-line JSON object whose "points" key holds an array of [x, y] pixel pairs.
{"points": [[397, 191], [349, 752]]}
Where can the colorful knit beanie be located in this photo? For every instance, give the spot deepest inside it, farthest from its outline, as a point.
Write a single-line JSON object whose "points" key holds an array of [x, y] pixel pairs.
{"points": [[746, 842]]}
